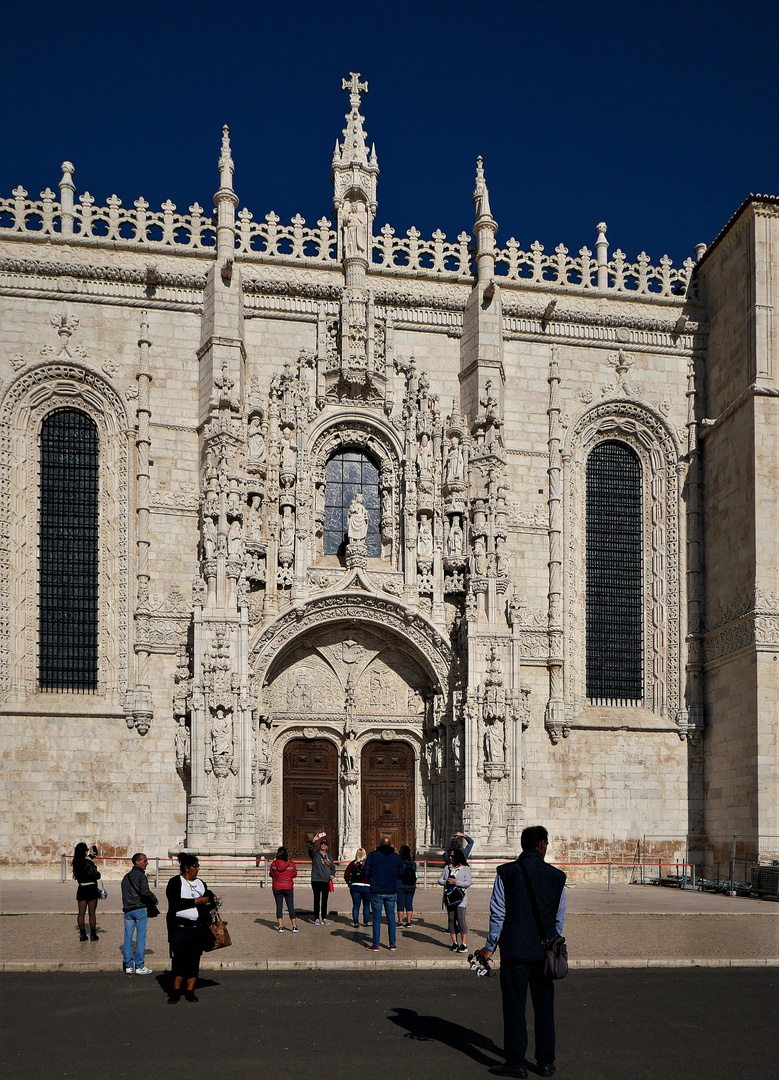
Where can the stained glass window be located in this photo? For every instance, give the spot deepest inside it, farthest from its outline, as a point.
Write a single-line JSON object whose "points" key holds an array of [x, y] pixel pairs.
{"points": [[68, 576], [615, 599], [350, 473]]}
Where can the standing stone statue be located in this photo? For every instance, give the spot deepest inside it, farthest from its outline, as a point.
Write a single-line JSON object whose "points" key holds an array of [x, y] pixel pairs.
{"points": [[256, 441], [454, 462], [221, 736], [454, 542], [424, 455], [209, 538], [424, 538], [287, 530], [357, 522], [234, 540]]}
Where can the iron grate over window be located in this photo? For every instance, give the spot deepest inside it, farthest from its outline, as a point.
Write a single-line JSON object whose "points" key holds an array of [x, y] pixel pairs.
{"points": [[615, 601], [350, 473], [68, 576]]}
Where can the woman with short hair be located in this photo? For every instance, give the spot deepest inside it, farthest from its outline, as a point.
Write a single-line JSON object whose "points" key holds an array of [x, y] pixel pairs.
{"points": [[190, 903]]}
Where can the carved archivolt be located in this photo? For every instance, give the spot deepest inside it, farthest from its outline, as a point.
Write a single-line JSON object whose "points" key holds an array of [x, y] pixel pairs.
{"points": [[655, 444], [417, 632], [319, 675], [28, 399]]}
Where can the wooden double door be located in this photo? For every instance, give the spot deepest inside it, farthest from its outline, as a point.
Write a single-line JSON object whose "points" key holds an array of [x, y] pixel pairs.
{"points": [[310, 785], [387, 794], [310, 794]]}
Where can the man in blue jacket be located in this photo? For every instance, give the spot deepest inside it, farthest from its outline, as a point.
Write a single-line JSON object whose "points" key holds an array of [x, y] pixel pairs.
{"points": [[521, 951], [383, 868]]}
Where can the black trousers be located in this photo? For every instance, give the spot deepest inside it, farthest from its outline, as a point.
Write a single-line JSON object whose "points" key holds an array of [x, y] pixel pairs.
{"points": [[321, 890], [515, 977]]}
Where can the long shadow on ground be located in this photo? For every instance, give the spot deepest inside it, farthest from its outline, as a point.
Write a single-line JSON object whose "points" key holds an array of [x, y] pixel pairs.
{"points": [[435, 1029]]}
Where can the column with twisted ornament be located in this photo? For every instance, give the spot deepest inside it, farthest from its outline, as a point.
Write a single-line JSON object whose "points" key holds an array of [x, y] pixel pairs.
{"points": [[141, 705], [555, 709]]}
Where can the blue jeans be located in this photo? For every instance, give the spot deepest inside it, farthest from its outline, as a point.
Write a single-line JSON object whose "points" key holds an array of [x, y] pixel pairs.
{"points": [[136, 920], [360, 896], [387, 901], [406, 898]]}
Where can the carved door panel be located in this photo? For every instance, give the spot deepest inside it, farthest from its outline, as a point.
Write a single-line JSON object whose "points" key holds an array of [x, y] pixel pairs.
{"points": [[388, 794], [310, 794]]}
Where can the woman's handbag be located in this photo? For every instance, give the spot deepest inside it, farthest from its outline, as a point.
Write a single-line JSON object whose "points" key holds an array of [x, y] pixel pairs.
{"points": [[332, 887], [453, 896], [555, 949], [219, 930]]}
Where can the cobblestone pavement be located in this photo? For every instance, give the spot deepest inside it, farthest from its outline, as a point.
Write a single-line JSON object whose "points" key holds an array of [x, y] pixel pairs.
{"points": [[631, 926]]}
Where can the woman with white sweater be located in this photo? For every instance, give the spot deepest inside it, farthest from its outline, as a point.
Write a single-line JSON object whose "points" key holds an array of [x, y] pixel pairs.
{"points": [[456, 879]]}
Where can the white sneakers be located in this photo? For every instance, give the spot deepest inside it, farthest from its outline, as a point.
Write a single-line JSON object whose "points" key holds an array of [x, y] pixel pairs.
{"points": [[281, 929], [144, 971]]}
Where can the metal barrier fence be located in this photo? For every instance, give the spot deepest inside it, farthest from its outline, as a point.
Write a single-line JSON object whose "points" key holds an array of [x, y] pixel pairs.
{"points": [[254, 870], [724, 862]]}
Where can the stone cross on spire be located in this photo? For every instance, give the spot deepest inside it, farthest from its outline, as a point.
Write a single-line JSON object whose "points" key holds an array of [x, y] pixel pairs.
{"points": [[355, 169], [354, 86]]}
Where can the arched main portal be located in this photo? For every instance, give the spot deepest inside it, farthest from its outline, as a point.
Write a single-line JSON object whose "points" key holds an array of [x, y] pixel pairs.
{"points": [[310, 794], [388, 806]]}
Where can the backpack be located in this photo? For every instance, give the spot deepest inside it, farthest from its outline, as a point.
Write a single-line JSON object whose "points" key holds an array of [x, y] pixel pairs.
{"points": [[357, 874], [409, 875]]}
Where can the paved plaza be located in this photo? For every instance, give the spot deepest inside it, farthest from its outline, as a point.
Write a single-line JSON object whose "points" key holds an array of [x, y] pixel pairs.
{"points": [[630, 926]]}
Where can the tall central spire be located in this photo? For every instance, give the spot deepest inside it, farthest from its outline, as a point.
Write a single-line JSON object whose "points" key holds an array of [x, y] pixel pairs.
{"points": [[354, 176], [354, 169], [354, 150]]}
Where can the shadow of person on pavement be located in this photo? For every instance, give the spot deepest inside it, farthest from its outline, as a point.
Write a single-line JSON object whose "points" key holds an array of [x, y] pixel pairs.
{"points": [[425, 939], [269, 923], [165, 982], [435, 1029]]}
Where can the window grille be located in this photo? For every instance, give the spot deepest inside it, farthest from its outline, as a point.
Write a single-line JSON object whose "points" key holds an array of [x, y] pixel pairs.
{"points": [[615, 600], [68, 576], [350, 473]]}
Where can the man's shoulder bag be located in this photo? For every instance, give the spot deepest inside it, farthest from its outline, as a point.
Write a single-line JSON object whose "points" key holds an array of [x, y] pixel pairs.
{"points": [[555, 949]]}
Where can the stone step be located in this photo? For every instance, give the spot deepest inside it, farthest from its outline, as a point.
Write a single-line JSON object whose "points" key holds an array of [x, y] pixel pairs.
{"points": [[220, 872]]}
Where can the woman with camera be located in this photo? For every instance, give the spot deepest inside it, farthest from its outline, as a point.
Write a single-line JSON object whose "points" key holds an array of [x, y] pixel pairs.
{"points": [[88, 892], [456, 880], [190, 904], [322, 876]]}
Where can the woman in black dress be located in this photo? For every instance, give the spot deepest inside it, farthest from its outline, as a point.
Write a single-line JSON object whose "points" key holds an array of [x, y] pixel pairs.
{"points": [[87, 875], [190, 905]]}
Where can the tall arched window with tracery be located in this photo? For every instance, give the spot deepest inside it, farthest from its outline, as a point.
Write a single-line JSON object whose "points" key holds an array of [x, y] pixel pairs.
{"points": [[614, 593], [68, 553], [349, 473]]}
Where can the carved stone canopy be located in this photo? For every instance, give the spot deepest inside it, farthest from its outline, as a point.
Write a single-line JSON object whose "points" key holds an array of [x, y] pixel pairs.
{"points": [[354, 673]]}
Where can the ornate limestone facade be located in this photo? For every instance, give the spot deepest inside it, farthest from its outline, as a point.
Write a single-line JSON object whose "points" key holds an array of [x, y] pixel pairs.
{"points": [[346, 567]]}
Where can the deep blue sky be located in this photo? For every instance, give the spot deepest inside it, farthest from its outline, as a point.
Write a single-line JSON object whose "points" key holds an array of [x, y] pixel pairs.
{"points": [[658, 117]]}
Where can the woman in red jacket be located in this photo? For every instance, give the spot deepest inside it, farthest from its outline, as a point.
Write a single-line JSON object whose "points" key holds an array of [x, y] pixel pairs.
{"points": [[283, 873]]}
